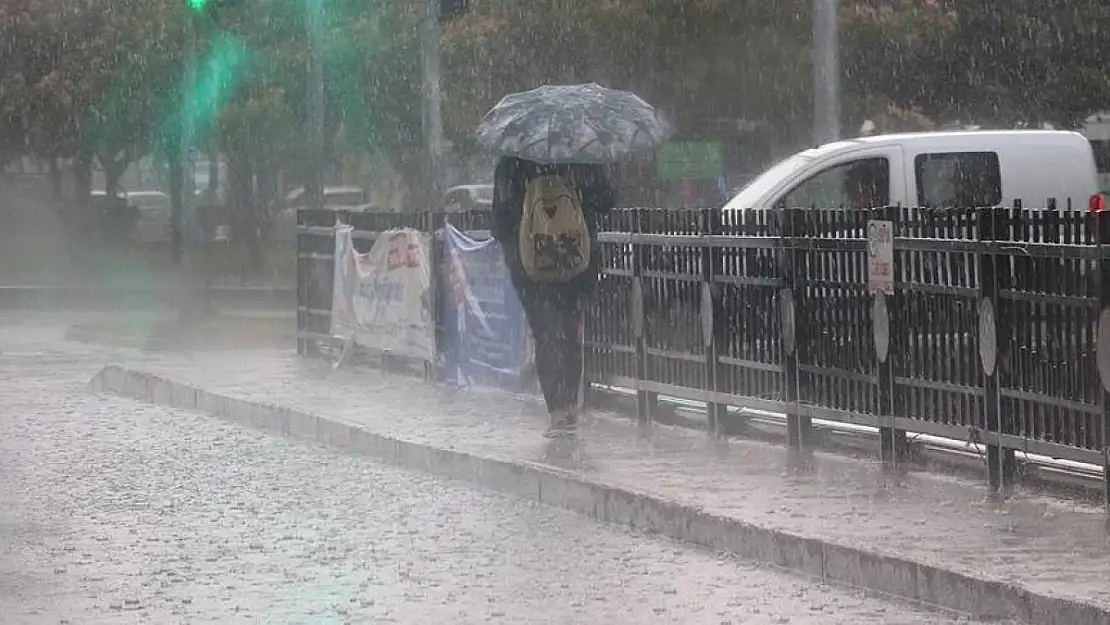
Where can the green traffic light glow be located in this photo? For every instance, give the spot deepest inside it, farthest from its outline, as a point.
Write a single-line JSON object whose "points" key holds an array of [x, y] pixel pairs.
{"points": [[218, 76], [197, 5]]}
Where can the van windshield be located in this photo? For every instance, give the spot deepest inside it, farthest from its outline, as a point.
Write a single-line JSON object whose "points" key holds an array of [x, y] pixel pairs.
{"points": [[752, 194]]}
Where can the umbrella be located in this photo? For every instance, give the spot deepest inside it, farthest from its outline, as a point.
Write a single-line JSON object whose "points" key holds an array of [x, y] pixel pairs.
{"points": [[572, 124]]}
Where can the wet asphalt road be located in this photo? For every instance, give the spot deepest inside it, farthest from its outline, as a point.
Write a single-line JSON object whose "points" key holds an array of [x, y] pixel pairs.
{"points": [[117, 512]]}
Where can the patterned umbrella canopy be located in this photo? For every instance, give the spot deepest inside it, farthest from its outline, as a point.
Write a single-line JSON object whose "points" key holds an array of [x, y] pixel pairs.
{"points": [[572, 124]]}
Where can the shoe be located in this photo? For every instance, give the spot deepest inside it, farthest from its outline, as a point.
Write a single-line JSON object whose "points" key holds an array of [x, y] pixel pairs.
{"points": [[564, 431], [563, 423]]}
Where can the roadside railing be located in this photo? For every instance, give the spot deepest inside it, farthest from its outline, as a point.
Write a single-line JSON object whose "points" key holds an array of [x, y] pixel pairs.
{"points": [[989, 332]]}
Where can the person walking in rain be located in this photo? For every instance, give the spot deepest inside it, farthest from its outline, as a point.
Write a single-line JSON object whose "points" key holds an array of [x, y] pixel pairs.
{"points": [[550, 187], [546, 218]]}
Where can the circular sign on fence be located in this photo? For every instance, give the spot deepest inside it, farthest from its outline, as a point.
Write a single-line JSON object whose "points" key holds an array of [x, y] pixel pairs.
{"points": [[1103, 348], [880, 326], [786, 302], [988, 337], [706, 314]]}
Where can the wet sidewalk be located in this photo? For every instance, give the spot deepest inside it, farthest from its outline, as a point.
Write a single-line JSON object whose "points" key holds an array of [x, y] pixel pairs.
{"points": [[1050, 547]]}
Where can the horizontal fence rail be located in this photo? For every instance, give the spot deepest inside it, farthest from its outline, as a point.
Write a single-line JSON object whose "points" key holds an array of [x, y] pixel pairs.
{"points": [[990, 334]]}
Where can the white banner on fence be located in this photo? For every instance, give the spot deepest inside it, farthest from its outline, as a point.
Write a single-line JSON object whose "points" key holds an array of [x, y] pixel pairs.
{"points": [[880, 256], [383, 299]]}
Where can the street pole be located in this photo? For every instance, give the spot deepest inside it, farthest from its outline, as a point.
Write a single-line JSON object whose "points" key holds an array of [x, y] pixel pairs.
{"points": [[314, 182], [826, 72], [188, 164], [432, 108], [193, 289]]}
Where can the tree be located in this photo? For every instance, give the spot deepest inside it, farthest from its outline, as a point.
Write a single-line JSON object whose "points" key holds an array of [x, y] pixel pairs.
{"points": [[708, 61], [704, 61], [371, 78], [85, 78], [147, 45], [102, 78], [374, 81], [1025, 61]]}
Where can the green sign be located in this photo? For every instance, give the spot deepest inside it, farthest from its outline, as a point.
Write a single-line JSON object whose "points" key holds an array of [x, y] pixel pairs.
{"points": [[690, 160]]}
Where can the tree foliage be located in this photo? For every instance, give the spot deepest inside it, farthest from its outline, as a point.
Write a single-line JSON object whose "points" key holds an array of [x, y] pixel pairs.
{"points": [[372, 78], [376, 90], [1022, 61], [708, 61], [104, 77], [86, 77], [703, 60]]}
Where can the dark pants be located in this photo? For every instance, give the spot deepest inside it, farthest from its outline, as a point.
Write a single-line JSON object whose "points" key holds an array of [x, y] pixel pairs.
{"points": [[554, 312]]}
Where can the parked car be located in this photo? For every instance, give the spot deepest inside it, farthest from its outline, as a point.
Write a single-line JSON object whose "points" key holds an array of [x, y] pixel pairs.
{"points": [[937, 169], [960, 169], [284, 225], [100, 196], [148, 217], [154, 220], [114, 217], [468, 197], [334, 197]]}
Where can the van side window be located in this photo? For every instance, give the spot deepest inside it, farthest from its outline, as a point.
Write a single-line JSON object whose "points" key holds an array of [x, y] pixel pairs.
{"points": [[857, 184], [958, 179]]}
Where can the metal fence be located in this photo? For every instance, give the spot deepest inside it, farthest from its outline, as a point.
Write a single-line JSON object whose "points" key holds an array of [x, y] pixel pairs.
{"points": [[991, 334]]}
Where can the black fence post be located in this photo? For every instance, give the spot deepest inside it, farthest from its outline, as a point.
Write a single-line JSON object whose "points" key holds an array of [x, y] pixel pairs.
{"points": [[1102, 238], [322, 271], [988, 341], [1007, 421], [302, 286], [999, 463], [429, 221], [884, 322], [645, 400], [313, 280], [798, 427], [712, 318]]}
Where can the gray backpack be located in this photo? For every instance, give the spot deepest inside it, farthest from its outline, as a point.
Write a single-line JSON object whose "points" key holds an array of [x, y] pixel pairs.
{"points": [[554, 239]]}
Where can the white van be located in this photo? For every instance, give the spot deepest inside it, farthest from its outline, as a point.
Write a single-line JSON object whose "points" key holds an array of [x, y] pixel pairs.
{"points": [[935, 169]]}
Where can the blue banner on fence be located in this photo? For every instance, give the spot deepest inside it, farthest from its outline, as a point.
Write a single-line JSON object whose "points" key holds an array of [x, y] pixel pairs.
{"points": [[485, 333]]}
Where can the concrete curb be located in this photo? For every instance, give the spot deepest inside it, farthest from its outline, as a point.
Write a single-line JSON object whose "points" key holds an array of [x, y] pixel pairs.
{"points": [[983, 598]]}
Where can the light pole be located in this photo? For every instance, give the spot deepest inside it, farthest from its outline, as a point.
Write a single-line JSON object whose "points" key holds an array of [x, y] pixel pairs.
{"points": [[826, 72], [314, 182], [188, 152], [194, 289]]}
